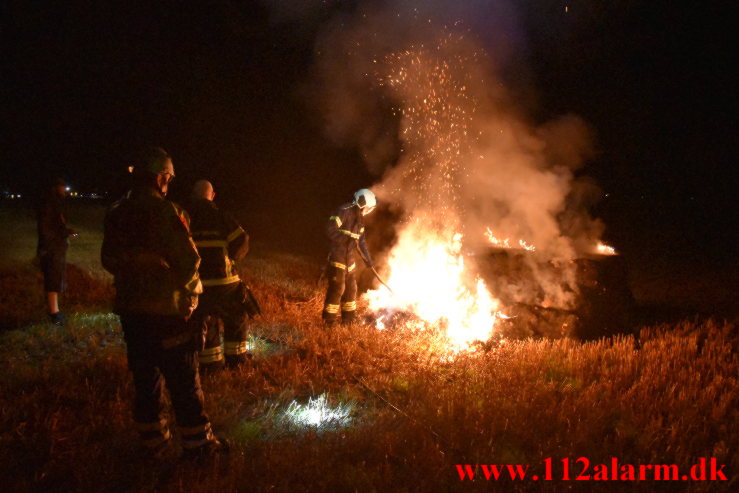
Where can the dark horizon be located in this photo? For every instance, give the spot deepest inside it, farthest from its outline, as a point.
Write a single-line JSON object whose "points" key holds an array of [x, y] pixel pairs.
{"points": [[221, 88]]}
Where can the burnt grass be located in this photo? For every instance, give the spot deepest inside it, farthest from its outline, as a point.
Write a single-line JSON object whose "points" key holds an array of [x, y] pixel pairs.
{"points": [[666, 393]]}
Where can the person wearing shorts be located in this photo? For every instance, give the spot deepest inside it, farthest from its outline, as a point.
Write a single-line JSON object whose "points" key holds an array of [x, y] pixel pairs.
{"points": [[53, 241]]}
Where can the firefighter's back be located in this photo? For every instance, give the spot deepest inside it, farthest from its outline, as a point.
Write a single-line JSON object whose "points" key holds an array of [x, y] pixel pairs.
{"points": [[219, 238], [138, 250]]}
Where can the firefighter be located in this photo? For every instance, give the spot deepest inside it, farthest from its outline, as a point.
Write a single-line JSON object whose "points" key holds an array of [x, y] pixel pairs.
{"points": [[53, 241], [221, 242], [346, 234], [148, 248]]}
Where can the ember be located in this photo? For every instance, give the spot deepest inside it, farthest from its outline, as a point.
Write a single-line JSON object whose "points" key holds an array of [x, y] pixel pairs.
{"points": [[468, 160]]}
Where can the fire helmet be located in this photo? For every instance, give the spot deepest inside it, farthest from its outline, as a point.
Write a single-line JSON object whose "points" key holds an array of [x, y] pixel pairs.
{"points": [[365, 200], [156, 161]]}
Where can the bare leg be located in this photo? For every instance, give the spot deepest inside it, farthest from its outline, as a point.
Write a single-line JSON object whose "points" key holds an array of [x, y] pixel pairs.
{"points": [[52, 302]]}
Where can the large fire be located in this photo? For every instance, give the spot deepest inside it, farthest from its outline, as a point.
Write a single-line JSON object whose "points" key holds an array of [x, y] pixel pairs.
{"points": [[426, 268], [450, 117], [429, 278]]}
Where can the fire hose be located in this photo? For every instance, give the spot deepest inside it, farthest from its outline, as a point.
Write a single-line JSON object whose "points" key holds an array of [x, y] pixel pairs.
{"points": [[372, 268], [381, 281]]}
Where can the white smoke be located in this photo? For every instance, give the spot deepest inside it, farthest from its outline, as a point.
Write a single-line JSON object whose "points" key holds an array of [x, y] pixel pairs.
{"points": [[420, 92]]}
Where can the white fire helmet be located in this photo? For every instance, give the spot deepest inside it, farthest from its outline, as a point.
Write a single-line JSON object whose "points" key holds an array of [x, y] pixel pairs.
{"points": [[366, 200]]}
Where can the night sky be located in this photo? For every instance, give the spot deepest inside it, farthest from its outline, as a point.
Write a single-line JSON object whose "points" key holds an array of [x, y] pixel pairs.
{"points": [[85, 85]]}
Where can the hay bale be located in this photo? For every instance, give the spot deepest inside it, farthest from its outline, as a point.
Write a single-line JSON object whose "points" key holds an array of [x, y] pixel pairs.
{"points": [[603, 303]]}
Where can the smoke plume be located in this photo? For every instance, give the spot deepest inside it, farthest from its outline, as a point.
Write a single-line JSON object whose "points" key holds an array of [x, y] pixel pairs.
{"points": [[420, 88]]}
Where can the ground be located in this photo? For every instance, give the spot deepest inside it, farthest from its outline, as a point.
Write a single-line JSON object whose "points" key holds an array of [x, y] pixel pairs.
{"points": [[355, 409]]}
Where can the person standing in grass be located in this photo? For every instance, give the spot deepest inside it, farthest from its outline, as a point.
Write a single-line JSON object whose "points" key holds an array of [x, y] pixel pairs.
{"points": [[53, 241], [221, 242], [345, 231], [148, 248]]}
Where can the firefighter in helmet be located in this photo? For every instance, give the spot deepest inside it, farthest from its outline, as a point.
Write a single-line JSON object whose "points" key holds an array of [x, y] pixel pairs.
{"points": [[148, 248], [346, 233], [221, 242]]}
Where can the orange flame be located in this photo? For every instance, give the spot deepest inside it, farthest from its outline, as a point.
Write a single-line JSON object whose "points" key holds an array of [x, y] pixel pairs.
{"points": [[506, 243], [427, 273], [603, 249]]}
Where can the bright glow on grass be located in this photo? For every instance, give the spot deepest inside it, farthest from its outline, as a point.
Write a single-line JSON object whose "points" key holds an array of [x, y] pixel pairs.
{"points": [[260, 347], [318, 413]]}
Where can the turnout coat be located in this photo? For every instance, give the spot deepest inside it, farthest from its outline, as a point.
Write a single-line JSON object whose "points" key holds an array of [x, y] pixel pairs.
{"points": [[148, 248], [345, 231]]}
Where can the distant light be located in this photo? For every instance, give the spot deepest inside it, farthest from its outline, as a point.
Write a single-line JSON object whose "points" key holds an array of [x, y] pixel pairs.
{"points": [[67, 188]]}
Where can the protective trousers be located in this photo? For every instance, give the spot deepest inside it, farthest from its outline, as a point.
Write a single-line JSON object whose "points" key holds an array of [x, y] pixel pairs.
{"points": [[227, 304], [341, 294], [162, 350]]}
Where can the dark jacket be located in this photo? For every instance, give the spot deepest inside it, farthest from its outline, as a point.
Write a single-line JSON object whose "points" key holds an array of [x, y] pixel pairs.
{"points": [[221, 242], [345, 231], [148, 248], [53, 233]]}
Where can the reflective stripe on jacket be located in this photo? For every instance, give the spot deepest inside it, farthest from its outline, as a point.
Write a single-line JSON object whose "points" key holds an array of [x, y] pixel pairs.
{"points": [[220, 240], [345, 231]]}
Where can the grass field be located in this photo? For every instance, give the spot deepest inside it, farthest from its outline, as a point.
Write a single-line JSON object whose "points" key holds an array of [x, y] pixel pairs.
{"points": [[352, 410]]}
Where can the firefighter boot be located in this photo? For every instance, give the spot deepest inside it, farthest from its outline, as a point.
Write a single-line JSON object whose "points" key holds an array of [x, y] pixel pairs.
{"points": [[236, 352], [330, 314], [214, 448], [236, 360], [210, 356], [155, 438], [348, 312], [211, 360]]}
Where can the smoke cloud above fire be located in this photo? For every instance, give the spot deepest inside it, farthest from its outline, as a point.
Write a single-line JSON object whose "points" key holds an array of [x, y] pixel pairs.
{"points": [[423, 90]]}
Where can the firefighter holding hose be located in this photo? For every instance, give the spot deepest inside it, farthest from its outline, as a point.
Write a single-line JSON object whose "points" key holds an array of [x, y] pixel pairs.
{"points": [[346, 234]]}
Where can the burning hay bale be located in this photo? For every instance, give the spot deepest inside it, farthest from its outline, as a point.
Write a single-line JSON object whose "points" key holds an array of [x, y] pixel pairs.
{"points": [[603, 303], [465, 169], [600, 302]]}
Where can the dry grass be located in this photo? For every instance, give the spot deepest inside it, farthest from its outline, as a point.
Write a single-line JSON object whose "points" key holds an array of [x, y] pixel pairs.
{"points": [[21, 283], [668, 395]]}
